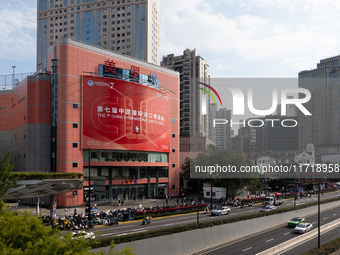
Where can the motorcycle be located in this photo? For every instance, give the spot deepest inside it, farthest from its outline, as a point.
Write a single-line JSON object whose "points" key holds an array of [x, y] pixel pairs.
{"points": [[146, 221], [250, 204]]}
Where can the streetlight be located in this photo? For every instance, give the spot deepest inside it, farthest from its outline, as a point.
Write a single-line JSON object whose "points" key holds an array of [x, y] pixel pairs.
{"points": [[13, 78], [89, 191], [319, 186]]}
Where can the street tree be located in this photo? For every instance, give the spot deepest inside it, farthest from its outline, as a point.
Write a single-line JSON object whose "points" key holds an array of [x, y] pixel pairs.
{"points": [[6, 177], [232, 181], [26, 234]]}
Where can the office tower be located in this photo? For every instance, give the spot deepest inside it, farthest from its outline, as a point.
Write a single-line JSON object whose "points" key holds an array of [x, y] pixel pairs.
{"points": [[130, 27], [220, 134], [194, 103], [322, 128]]}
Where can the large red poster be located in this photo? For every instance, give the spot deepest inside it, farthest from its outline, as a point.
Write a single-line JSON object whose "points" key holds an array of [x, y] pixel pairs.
{"points": [[121, 115]]}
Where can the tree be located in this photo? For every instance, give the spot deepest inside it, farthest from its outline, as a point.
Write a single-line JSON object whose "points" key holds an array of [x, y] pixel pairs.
{"points": [[191, 184], [6, 176], [233, 181], [26, 234]]}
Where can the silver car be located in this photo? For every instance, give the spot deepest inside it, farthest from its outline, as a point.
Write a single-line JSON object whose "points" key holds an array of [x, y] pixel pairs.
{"points": [[303, 228], [268, 208], [220, 211]]}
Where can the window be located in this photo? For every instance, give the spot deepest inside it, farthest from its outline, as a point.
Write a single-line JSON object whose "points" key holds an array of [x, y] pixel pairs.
{"points": [[173, 165], [75, 145], [173, 135], [75, 125], [74, 164], [173, 150], [75, 106]]}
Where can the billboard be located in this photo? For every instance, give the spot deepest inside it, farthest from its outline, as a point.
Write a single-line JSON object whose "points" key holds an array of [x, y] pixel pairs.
{"points": [[122, 115]]}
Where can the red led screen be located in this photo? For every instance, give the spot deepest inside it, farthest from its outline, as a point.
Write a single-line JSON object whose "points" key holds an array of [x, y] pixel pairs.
{"points": [[121, 115]]}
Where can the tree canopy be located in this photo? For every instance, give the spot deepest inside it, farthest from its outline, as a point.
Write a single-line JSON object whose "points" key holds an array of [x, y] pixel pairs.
{"points": [[6, 175], [26, 234], [214, 156]]}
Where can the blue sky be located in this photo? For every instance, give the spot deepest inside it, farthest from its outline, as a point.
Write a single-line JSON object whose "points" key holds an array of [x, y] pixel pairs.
{"points": [[238, 38]]}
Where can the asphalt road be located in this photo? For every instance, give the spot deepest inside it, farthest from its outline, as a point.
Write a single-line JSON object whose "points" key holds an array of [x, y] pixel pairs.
{"points": [[313, 243], [125, 228], [278, 235]]}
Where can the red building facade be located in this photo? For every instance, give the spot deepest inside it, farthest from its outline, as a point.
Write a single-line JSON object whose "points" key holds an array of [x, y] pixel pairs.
{"points": [[106, 114]]}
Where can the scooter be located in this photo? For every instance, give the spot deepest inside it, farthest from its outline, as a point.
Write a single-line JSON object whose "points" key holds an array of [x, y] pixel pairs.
{"points": [[146, 221]]}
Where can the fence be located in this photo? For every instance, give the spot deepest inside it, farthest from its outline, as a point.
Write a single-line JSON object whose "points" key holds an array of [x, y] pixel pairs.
{"points": [[9, 81]]}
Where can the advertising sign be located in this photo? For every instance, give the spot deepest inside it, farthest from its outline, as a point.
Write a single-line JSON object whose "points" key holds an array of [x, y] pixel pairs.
{"points": [[122, 115]]}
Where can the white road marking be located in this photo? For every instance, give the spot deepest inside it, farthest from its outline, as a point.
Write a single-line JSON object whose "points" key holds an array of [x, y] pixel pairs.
{"points": [[286, 233], [325, 218], [168, 224], [269, 240], [247, 249], [314, 222], [134, 232], [334, 214]]}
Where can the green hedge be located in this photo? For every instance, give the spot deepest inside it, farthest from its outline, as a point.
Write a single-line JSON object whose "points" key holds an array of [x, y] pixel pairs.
{"points": [[205, 224], [43, 176], [325, 249]]}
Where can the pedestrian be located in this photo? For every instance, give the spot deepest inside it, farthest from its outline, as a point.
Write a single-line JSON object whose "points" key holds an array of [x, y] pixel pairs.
{"points": [[119, 202], [75, 211], [122, 202]]}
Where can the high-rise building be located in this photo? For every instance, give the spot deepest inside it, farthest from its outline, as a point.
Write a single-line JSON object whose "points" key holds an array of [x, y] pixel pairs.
{"points": [[130, 27], [322, 128], [220, 134], [290, 109], [194, 103]]}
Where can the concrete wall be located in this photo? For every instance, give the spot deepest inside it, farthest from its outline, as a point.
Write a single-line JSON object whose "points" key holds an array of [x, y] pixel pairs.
{"points": [[190, 241]]}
